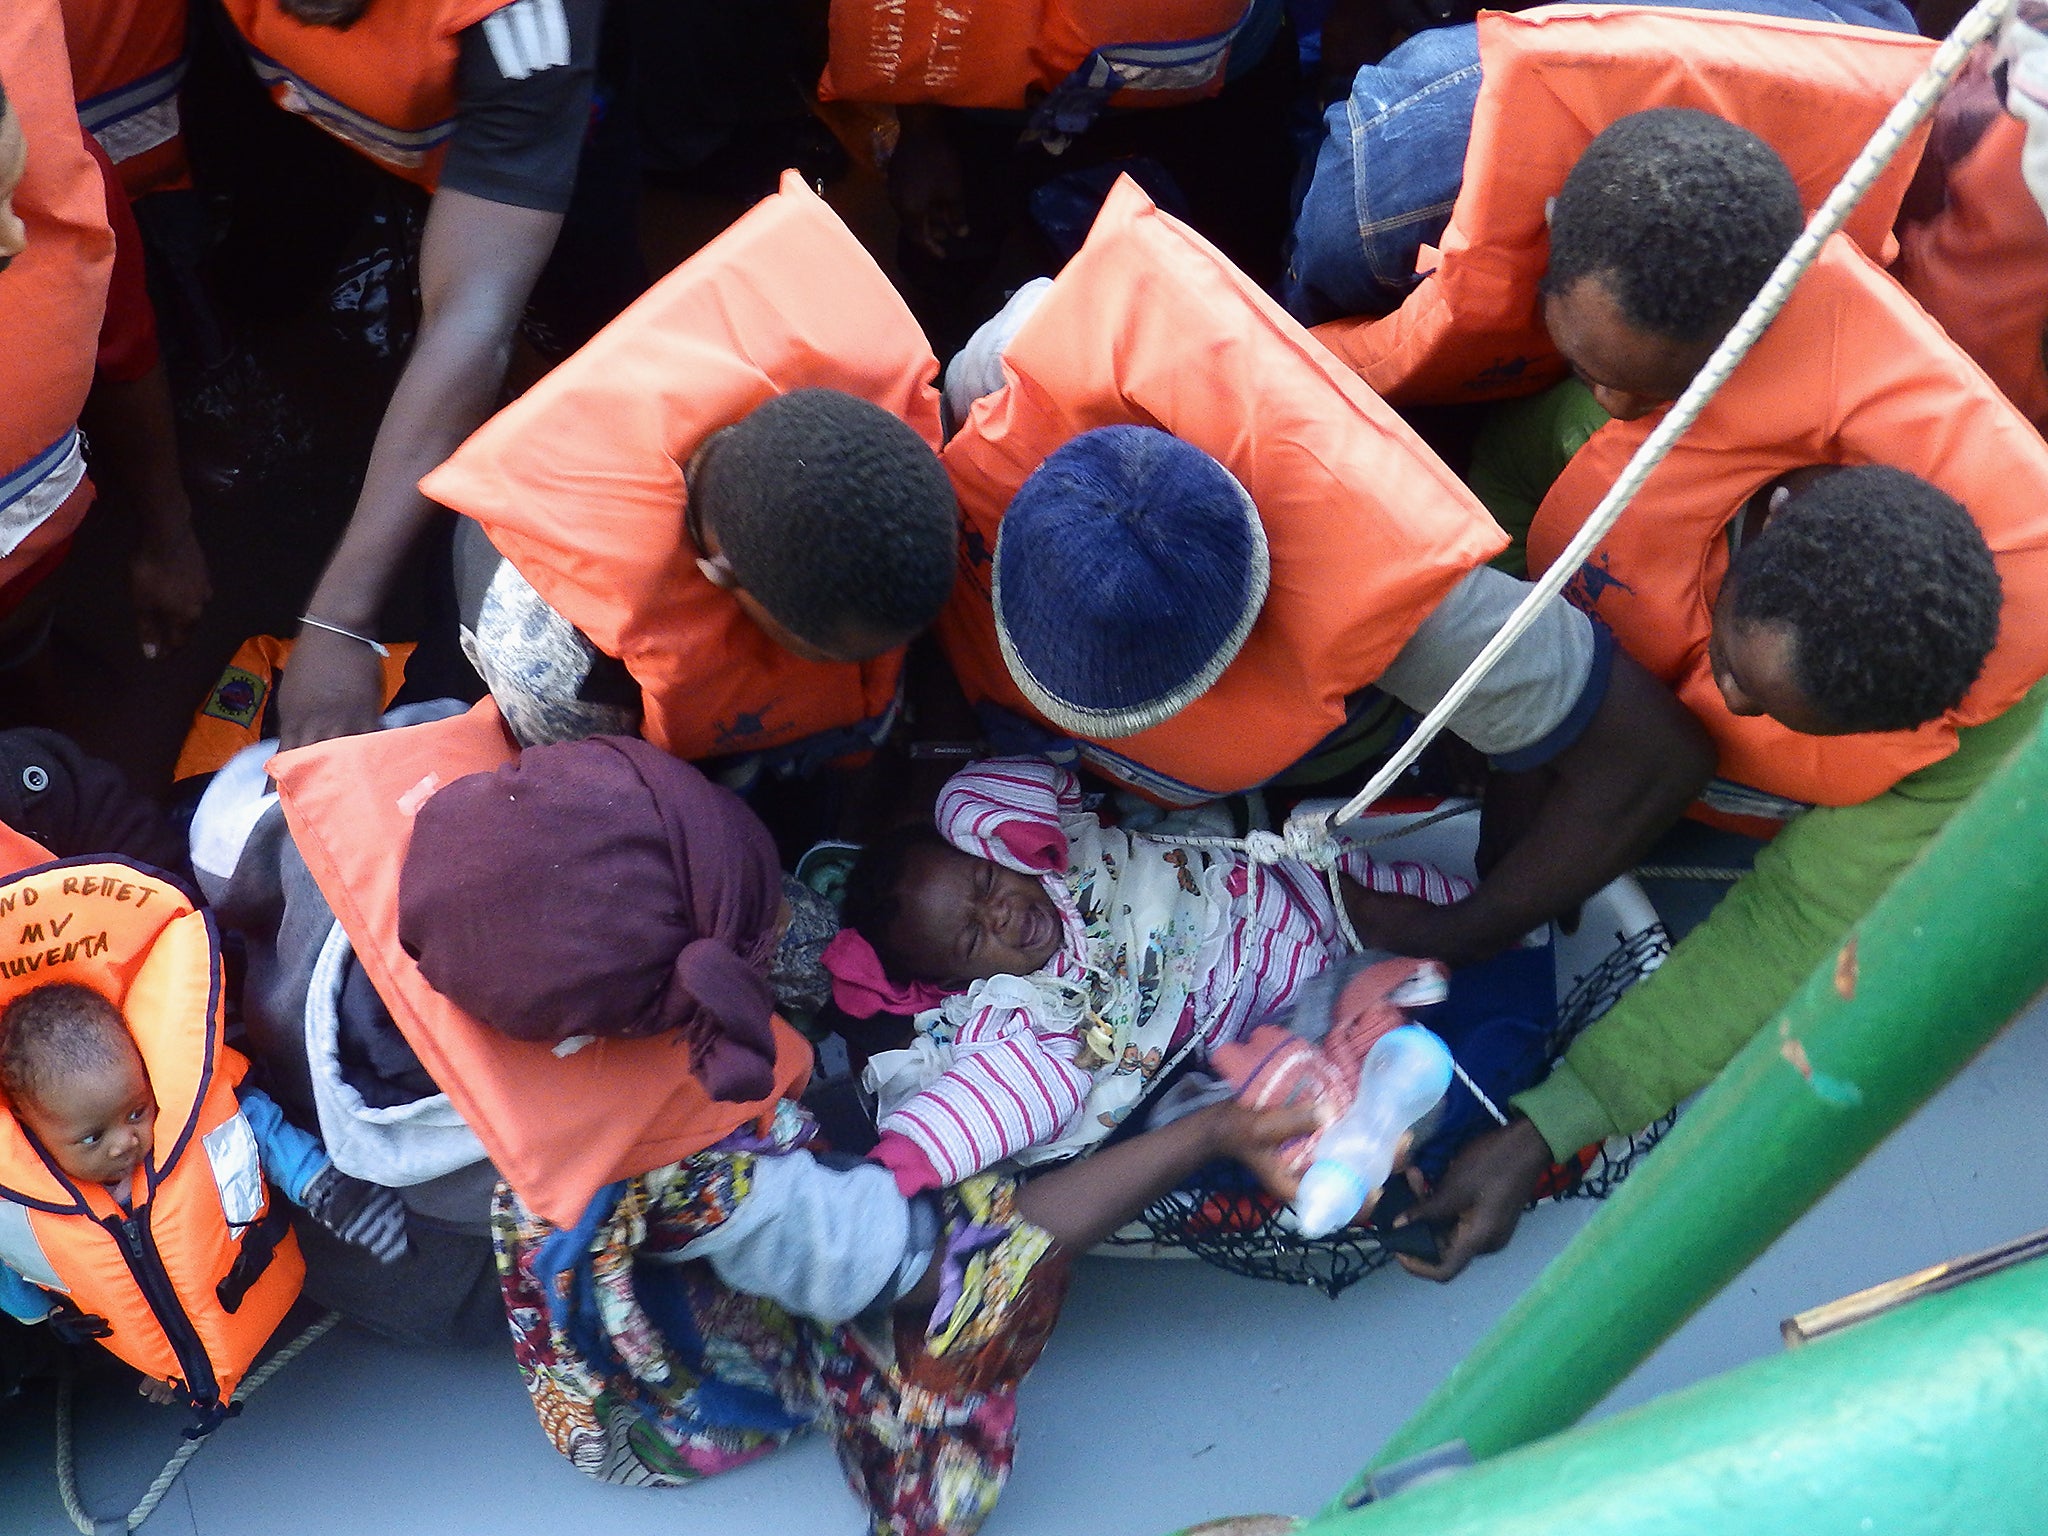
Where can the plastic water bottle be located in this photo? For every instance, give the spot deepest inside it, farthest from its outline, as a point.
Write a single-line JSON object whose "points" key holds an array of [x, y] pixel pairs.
{"points": [[1400, 1081]]}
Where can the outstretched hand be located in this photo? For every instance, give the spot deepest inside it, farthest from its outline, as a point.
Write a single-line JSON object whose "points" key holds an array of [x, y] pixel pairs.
{"points": [[1256, 1137], [168, 581], [1408, 925], [365, 1215], [332, 686], [1480, 1198]]}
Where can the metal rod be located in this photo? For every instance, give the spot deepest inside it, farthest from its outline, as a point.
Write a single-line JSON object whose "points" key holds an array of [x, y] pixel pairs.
{"points": [[1930, 975], [1924, 1422]]}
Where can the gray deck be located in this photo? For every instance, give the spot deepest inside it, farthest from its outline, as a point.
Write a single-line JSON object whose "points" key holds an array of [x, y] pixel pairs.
{"points": [[1172, 1393]]}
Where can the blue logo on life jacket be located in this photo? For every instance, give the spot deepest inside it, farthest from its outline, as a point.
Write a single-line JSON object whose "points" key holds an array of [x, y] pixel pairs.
{"points": [[1502, 370], [1585, 590], [741, 730]]}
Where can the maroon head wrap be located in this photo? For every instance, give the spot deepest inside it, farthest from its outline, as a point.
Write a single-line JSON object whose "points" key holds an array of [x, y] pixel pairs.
{"points": [[601, 887]]}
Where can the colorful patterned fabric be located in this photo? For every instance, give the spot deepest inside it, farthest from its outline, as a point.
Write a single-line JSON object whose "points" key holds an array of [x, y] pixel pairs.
{"points": [[1160, 942], [646, 1369]]}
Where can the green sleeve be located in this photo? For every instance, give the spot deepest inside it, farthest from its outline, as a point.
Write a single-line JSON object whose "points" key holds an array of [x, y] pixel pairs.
{"points": [[1676, 1029], [1523, 447]]}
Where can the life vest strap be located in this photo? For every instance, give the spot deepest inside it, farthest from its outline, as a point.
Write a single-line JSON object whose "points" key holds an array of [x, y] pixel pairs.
{"points": [[258, 1247]]}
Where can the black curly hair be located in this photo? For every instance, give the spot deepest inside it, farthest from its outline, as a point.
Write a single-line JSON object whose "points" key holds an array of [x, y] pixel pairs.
{"points": [[1889, 589], [835, 516], [53, 1031], [1681, 214], [873, 898]]}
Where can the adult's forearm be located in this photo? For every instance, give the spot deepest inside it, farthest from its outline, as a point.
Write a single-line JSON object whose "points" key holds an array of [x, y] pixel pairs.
{"points": [[478, 264], [1672, 1033], [1084, 1201], [135, 451], [1640, 763], [449, 386]]}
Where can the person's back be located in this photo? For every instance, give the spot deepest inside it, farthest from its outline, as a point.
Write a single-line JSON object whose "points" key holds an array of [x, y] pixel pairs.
{"points": [[722, 519], [1410, 115], [56, 255]]}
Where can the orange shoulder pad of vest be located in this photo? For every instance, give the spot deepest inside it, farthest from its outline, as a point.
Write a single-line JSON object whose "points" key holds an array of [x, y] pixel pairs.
{"points": [[1980, 266], [1852, 371], [1554, 78], [579, 482], [997, 53], [1368, 531], [55, 291], [558, 1127]]}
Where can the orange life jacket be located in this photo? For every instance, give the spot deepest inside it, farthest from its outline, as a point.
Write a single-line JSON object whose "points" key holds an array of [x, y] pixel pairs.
{"points": [[1980, 267], [1851, 372], [52, 296], [194, 1277], [558, 1127], [1472, 329], [232, 716], [579, 482], [385, 85], [127, 66], [1004, 53], [1368, 532]]}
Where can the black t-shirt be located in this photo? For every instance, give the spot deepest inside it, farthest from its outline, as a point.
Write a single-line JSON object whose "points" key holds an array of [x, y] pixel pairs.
{"points": [[523, 88]]}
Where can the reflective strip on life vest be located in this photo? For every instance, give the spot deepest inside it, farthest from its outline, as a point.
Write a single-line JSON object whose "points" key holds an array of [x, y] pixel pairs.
{"points": [[407, 148], [136, 117], [1733, 799], [1174, 66], [22, 1251], [39, 488]]}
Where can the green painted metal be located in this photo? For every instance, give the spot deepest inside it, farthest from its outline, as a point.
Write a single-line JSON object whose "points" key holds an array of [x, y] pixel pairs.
{"points": [[1924, 1422], [1932, 973]]}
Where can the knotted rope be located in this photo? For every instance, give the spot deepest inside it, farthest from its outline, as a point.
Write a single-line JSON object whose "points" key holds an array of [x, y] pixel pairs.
{"points": [[67, 1471]]}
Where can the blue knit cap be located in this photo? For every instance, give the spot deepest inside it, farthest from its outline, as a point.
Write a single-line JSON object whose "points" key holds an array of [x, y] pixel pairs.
{"points": [[1129, 569]]}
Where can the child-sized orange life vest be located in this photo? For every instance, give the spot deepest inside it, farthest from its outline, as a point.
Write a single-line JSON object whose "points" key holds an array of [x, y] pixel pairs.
{"points": [[384, 85], [1150, 325], [232, 715], [127, 66], [1980, 267], [1004, 53], [559, 1127], [1851, 372], [52, 296], [579, 482], [1472, 329], [194, 1277]]}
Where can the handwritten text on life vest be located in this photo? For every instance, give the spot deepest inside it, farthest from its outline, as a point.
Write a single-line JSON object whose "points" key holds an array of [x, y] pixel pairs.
{"points": [[81, 947]]}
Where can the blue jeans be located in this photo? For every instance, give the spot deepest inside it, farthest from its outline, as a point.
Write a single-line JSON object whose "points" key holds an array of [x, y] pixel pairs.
{"points": [[1393, 159]]}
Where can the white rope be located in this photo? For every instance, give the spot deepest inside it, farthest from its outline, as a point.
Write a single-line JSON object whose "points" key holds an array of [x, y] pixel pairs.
{"points": [[1478, 1093], [67, 1470], [1980, 21], [1312, 838]]}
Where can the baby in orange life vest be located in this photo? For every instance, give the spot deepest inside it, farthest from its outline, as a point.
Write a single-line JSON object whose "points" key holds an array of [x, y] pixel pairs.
{"points": [[75, 1081]]}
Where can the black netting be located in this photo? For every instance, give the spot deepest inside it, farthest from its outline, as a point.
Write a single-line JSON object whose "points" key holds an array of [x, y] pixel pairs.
{"points": [[1222, 1217]]}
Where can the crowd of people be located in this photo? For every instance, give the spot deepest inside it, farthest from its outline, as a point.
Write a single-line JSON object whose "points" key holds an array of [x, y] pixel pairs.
{"points": [[1192, 416]]}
